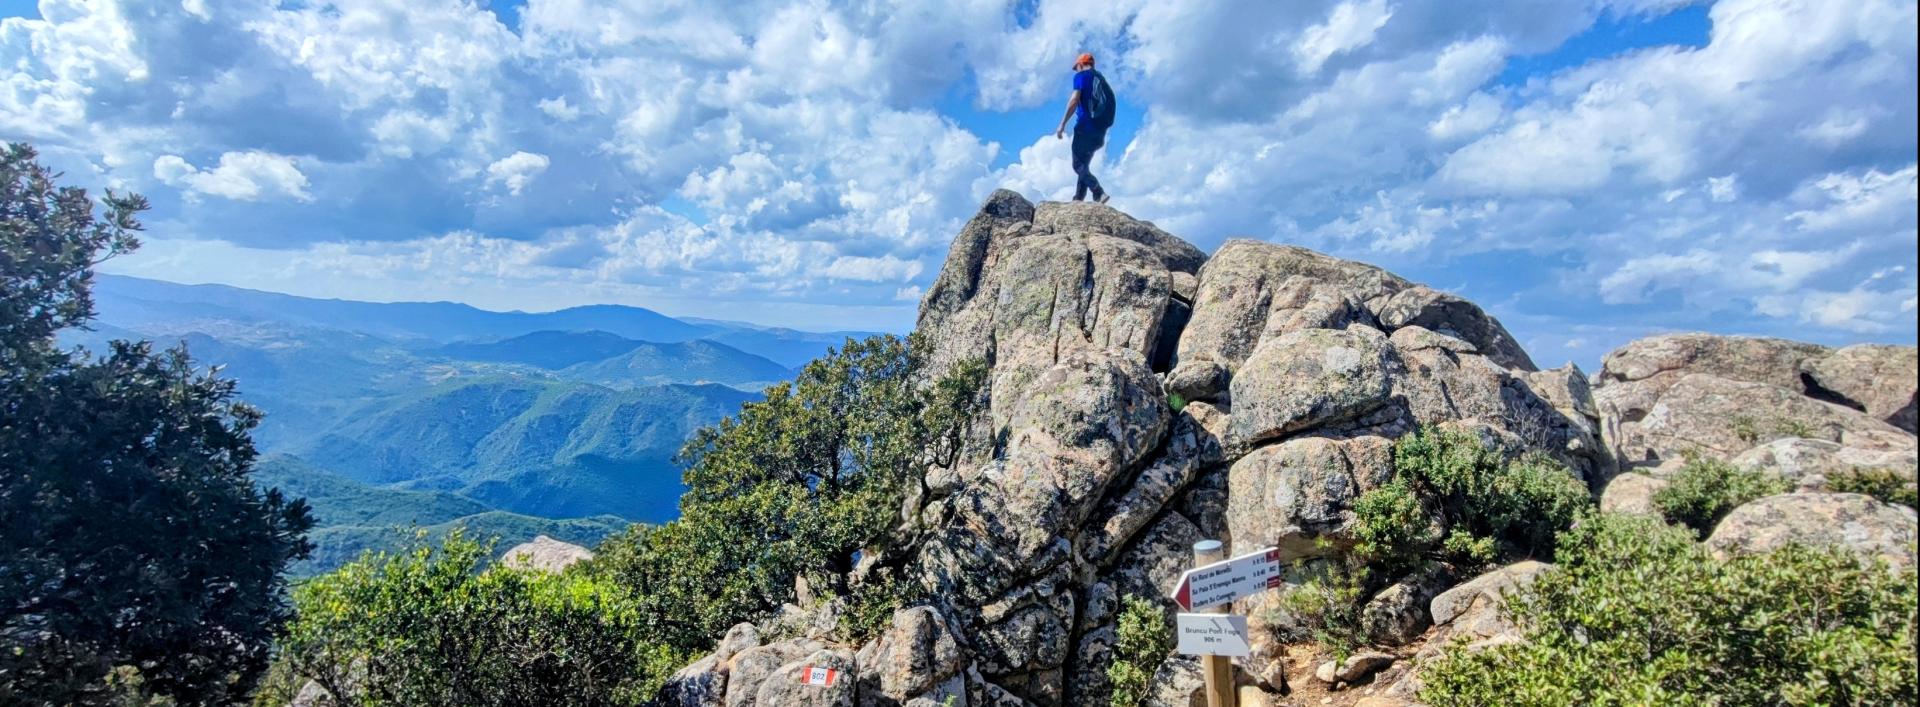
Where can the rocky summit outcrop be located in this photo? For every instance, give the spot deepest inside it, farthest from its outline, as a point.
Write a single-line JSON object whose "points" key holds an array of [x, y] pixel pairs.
{"points": [[1144, 396]]}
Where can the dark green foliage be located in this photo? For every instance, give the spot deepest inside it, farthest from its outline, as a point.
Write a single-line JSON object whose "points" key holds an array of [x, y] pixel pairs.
{"points": [[1327, 606], [1638, 613], [134, 533], [1884, 484], [871, 603], [1707, 489], [50, 240], [1519, 505], [432, 627], [794, 486], [1489, 507], [1143, 639], [1392, 525]]}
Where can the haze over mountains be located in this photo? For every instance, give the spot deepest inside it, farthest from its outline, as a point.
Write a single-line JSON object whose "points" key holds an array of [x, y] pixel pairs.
{"points": [[389, 416]]}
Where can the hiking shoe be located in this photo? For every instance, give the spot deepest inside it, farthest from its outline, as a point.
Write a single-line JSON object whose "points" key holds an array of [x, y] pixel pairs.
{"points": [[1102, 198]]}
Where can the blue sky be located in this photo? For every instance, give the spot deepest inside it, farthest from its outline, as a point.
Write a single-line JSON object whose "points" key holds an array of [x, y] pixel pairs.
{"points": [[1590, 171]]}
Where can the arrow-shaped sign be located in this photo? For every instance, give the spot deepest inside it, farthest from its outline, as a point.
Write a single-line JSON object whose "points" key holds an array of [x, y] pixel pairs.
{"points": [[1228, 580]]}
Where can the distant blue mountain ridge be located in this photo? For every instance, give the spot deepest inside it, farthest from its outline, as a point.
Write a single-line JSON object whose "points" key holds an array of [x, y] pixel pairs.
{"points": [[141, 304], [392, 417]]}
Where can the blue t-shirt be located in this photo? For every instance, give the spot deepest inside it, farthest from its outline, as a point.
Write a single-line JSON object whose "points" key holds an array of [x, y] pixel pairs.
{"points": [[1083, 82]]}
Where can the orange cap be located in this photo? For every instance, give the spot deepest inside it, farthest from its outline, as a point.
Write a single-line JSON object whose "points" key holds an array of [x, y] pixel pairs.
{"points": [[1085, 58]]}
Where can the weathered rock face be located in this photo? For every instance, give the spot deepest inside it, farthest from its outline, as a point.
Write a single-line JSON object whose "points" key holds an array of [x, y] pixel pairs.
{"points": [[1668, 395], [1298, 370], [1846, 520], [1809, 462], [1874, 378]]}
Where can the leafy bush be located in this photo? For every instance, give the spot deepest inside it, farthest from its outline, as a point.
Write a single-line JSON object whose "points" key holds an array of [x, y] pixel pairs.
{"points": [[1327, 607], [1706, 490], [143, 563], [1488, 505], [1884, 484], [1144, 639], [1638, 613], [871, 604], [432, 627], [1392, 525]]}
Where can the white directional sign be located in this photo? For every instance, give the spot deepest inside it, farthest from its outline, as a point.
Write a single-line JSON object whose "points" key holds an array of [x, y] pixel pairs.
{"points": [[1213, 634], [1228, 580]]}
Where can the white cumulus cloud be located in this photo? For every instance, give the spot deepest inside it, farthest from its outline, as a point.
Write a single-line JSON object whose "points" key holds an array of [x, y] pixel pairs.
{"points": [[517, 170], [240, 176]]}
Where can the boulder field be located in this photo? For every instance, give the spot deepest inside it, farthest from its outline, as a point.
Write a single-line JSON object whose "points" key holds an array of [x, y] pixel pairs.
{"points": [[1145, 396]]}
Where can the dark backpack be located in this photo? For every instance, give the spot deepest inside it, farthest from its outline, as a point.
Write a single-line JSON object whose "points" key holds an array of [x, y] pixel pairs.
{"points": [[1100, 103]]}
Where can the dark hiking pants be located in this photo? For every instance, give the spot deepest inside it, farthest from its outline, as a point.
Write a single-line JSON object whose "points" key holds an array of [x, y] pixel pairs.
{"points": [[1087, 139]]}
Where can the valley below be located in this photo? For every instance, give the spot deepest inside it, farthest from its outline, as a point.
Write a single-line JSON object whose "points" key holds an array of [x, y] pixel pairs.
{"points": [[396, 419]]}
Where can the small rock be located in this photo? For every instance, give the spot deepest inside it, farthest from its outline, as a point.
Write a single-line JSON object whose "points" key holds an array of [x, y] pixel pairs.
{"points": [[1362, 664], [1453, 602], [1198, 380], [1328, 672]]}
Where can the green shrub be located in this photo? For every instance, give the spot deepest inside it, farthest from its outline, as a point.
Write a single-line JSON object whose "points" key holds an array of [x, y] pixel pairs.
{"points": [[1884, 484], [1391, 525], [1490, 506], [1327, 607], [1176, 401], [1638, 613], [1144, 639], [1706, 490], [431, 627]]}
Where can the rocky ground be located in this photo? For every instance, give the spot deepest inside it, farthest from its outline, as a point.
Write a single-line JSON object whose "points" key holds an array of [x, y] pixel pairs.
{"points": [[1296, 371]]}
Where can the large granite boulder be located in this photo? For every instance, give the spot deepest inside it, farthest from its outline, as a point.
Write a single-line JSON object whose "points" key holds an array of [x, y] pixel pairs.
{"points": [[1875, 378], [1632, 492], [1309, 378], [1032, 284], [1299, 492], [1722, 417], [787, 686], [1666, 395], [1857, 523], [1810, 463], [1449, 314]]}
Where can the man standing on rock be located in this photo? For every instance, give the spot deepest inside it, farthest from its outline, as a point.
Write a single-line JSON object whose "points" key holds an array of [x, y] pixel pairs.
{"points": [[1092, 101]]}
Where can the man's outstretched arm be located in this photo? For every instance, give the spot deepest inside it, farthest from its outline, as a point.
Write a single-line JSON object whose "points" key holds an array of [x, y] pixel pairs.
{"points": [[1072, 102]]}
